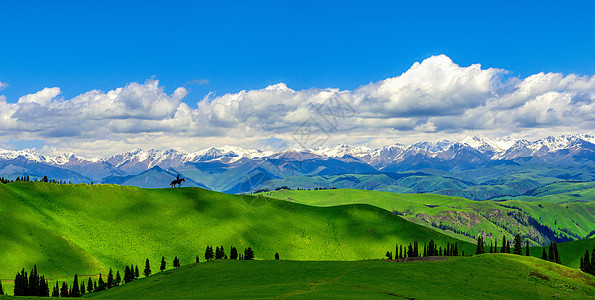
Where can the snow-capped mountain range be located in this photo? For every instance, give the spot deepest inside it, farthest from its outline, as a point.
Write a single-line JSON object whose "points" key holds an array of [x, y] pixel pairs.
{"points": [[469, 152]]}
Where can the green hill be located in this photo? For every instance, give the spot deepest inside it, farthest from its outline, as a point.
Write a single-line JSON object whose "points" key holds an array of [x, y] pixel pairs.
{"points": [[491, 276], [86, 229], [540, 221]]}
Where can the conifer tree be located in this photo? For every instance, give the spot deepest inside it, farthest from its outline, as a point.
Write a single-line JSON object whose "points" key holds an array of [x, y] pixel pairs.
{"points": [[148, 268], [56, 291], [95, 286], [223, 255], [176, 262], [248, 254], [491, 247], [551, 255], [1, 291], [209, 253], [197, 259], [110, 279], [410, 250], [415, 249], [456, 253], [101, 285], [480, 248], [128, 275], [233, 253], [64, 290], [82, 289], [518, 244], [401, 251], [118, 278], [89, 286], [503, 249], [388, 255], [277, 255], [527, 248], [557, 254], [75, 287], [162, 267], [137, 274]]}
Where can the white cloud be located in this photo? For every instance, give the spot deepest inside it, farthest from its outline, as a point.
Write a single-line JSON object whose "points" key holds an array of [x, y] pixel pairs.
{"points": [[3, 85], [433, 99]]}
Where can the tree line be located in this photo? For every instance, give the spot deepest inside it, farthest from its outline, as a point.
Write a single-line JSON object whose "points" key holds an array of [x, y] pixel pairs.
{"points": [[517, 248], [429, 249], [27, 178], [33, 284]]}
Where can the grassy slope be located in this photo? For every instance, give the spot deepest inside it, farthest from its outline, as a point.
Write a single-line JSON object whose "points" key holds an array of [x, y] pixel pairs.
{"points": [[68, 229], [490, 276], [473, 217]]}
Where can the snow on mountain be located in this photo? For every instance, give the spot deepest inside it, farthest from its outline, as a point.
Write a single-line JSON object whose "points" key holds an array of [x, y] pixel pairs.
{"points": [[489, 146], [26, 154], [342, 150]]}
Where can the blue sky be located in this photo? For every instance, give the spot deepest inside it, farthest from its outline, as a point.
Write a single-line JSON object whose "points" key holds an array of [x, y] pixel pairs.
{"points": [[222, 47]]}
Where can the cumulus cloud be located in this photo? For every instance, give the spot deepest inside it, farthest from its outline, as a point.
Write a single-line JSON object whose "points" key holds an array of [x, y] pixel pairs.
{"points": [[433, 98]]}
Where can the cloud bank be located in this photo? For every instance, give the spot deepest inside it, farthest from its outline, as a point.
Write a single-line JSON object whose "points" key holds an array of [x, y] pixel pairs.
{"points": [[433, 99]]}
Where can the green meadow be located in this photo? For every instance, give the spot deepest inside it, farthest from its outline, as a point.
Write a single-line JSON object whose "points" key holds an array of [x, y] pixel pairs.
{"points": [[490, 276]]}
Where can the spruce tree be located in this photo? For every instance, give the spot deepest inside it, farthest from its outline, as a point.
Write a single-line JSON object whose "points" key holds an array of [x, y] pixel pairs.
{"points": [[1, 291], [137, 274], [89, 286], [527, 248], [518, 244], [162, 267], [148, 268], [551, 255], [101, 285], [56, 291], [76, 292], [110, 279], [128, 275], [480, 248], [557, 254], [503, 249], [233, 253], [176, 262], [64, 290], [248, 254], [197, 259], [223, 255], [82, 287], [388, 255], [415, 249], [118, 278]]}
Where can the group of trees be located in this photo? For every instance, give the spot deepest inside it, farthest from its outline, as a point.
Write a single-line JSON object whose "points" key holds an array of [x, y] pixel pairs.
{"points": [[554, 255], [233, 253], [430, 249], [588, 264], [27, 178], [506, 246], [32, 285]]}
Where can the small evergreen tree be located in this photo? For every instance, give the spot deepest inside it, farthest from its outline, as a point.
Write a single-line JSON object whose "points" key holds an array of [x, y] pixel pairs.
{"points": [[89, 286], [137, 274], [118, 278], [162, 267], [147, 268], [209, 253], [110, 279], [82, 289], [277, 256], [233, 253], [101, 285], [551, 256], [557, 254], [56, 291], [128, 275], [518, 244], [75, 287], [1, 291], [503, 249], [248, 254], [527, 248], [197, 259], [480, 247], [64, 290], [176, 262], [388, 255]]}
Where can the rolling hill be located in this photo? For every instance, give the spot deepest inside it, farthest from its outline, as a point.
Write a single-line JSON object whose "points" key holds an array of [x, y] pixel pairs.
{"points": [[491, 276], [86, 229], [539, 221]]}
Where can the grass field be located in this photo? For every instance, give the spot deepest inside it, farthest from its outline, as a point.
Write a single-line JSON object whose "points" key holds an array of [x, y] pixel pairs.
{"points": [[492, 218], [83, 229], [491, 276]]}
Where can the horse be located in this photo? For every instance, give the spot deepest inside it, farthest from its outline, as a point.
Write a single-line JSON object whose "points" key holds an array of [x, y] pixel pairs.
{"points": [[178, 182]]}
